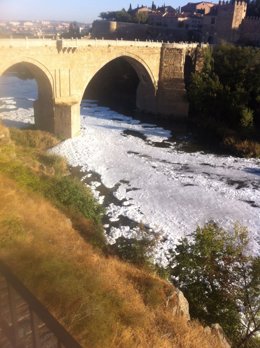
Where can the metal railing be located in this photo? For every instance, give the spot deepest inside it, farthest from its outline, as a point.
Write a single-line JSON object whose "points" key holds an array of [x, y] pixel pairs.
{"points": [[24, 321]]}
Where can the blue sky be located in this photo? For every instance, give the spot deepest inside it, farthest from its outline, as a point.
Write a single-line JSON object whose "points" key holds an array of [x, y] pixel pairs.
{"points": [[79, 10]]}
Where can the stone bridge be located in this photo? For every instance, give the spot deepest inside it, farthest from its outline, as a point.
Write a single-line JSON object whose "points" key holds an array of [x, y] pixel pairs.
{"points": [[64, 68]]}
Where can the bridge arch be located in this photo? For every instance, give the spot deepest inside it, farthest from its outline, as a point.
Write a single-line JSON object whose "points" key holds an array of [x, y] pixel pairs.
{"points": [[30, 61], [140, 66], [147, 86], [43, 106]]}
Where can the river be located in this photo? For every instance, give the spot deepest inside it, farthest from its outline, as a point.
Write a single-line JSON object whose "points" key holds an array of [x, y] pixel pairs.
{"points": [[146, 174]]}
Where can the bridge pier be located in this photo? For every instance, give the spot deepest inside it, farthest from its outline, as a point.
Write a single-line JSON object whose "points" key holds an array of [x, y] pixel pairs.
{"points": [[44, 114], [66, 118], [146, 97], [172, 99], [171, 87]]}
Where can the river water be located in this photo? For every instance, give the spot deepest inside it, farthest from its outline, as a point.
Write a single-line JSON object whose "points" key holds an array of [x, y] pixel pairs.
{"points": [[149, 175]]}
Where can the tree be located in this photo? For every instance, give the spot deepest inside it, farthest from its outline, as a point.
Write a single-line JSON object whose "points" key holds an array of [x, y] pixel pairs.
{"points": [[119, 16], [153, 6], [228, 89], [74, 31], [139, 251], [220, 281], [253, 8]]}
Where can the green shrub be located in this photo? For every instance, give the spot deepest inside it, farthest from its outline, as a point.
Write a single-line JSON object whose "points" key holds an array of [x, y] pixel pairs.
{"points": [[72, 194], [56, 162], [220, 280], [137, 251], [67, 193], [246, 119], [24, 176]]}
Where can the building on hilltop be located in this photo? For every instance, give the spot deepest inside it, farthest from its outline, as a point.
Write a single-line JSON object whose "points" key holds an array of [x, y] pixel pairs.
{"points": [[198, 7], [202, 21], [223, 22], [167, 19], [165, 9], [138, 10]]}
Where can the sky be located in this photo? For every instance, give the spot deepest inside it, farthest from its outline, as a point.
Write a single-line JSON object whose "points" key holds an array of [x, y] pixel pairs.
{"points": [[78, 10]]}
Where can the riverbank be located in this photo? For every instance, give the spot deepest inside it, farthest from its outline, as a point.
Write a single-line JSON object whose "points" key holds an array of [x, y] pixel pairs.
{"points": [[100, 300], [141, 173], [222, 140]]}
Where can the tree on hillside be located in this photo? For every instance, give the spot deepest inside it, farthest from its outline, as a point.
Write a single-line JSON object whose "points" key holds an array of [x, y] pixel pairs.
{"points": [[119, 16], [220, 280], [109, 16], [227, 91]]}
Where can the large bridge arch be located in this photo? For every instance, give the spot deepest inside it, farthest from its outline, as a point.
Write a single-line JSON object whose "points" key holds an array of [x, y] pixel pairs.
{"points": [[43, 106], [147, 87]]}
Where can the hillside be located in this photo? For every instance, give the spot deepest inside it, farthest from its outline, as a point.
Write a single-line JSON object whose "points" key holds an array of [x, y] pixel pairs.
{"points": [[51, 237]]}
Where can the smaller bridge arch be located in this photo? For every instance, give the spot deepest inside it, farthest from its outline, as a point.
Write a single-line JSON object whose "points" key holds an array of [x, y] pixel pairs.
{"points": [[39, 68], [43, 106]]}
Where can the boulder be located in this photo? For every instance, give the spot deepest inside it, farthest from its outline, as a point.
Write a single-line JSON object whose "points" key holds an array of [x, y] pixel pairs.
{"points": [[180, 305], [217, 331]]}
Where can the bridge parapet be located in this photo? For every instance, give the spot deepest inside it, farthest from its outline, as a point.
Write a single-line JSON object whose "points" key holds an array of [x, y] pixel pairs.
{"points": [[26, 43], [74, 43], [77, 43], [109, 43], [182, 45]]}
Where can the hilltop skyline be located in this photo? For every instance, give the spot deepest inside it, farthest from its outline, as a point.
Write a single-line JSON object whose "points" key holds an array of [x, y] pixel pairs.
{"points": [[78, 10]]}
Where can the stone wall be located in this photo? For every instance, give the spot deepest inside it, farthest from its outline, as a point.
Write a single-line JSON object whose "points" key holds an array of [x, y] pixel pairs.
{"points": [[133, 31], [250, 31], [118, 30]]}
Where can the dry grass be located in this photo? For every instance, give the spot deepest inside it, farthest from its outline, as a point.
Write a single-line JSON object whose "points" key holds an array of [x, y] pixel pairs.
{"points": [[245, 148], [33, 138], [30, 146], [7, 148], [102, 301]]}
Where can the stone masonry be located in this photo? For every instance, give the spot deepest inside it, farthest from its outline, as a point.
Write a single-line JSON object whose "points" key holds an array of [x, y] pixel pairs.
{"points": [[63, 69]]}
